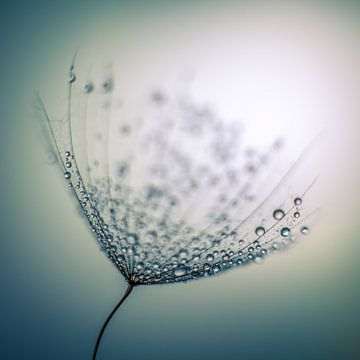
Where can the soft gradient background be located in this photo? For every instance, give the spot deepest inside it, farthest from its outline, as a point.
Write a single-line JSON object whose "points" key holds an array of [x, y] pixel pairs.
{"points": [[57, 287]]}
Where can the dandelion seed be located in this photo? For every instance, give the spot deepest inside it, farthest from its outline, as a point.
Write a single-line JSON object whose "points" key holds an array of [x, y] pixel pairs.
{"points": [[182, 196]]}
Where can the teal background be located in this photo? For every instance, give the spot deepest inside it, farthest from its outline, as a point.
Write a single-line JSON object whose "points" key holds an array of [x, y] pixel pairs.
{"points": [[57, 287]]}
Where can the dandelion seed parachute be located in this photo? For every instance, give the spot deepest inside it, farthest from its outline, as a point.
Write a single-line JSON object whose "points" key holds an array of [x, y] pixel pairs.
{"points": [[172, 194]]}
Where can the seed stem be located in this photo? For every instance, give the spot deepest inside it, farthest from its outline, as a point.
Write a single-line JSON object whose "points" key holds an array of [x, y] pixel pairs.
{"points": [[127, 293]]}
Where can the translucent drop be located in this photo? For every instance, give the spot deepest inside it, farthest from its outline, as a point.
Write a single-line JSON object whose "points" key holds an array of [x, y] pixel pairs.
{"points": [[68, 164], [107, 85], [180, 271], [216, 268], [207, 267], [304, 230], [296, 215], [285, 231], [209, 257], [67, 175], [72, 78], [88, 88], [67, 153], [183, 253], [259, 231], [297, 201], [278, 214]]}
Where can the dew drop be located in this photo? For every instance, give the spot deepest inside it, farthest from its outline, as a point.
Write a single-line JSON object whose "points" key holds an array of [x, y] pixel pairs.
{"points": [[297, 201], [304, 230], [107, 85], [296, 215], [180, 271], [67, 153], [259, 231], [278, 214], [68, 164], [207, 267], [209, 257], [285, 231], [67, 175], [71, 78], [88, 88], [183, 253]]}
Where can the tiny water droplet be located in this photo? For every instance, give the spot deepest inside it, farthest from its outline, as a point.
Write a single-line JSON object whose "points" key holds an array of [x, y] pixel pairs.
{"points": [[67, 175], [259, 231], [296, 215], [88, 88], [72, 78], [297, 201], [67, 153], [68, 164], [304, 230], [209, 257], [285, 231], [278, 214], [107, 85]]}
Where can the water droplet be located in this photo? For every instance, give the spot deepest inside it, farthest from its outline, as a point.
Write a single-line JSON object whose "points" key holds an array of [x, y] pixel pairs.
{"points": [[107, 85], [285, 231], [180, 271], [241, 242], [226, 257], [88, 88], [297, 201], [67, 175], [67, 153], [207, 267], [68, 164], [71, 78], [278, 214], [304, 230], [216, 268], [296, 215], [259, 231], [209, 257], [183, 253]]}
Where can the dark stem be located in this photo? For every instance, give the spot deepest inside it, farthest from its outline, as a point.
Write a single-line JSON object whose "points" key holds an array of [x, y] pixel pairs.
{"points": [[127, 293]]}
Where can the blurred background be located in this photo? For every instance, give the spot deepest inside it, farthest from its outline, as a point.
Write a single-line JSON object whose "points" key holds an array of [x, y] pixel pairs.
{"points": [[291, 67]]}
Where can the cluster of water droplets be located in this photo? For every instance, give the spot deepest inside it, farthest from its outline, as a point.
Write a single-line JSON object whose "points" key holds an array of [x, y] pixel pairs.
{"points": [[181, 196]]}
